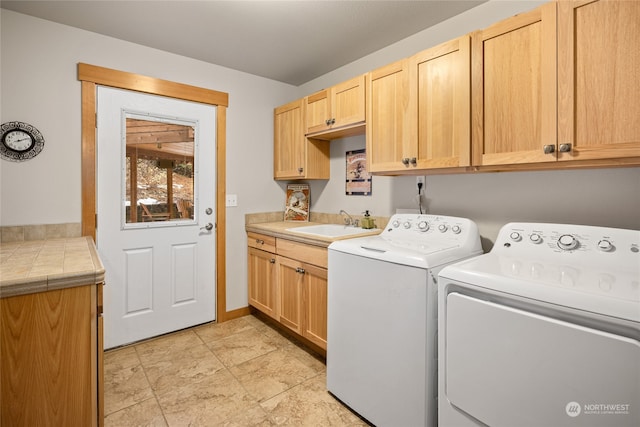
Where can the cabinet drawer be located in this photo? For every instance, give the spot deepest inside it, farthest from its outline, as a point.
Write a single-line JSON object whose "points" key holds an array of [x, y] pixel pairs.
{"points": [[302, 252], [261, 241]]}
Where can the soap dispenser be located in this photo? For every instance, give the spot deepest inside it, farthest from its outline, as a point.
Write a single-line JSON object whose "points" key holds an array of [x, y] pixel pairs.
{"points": [[367, 221]]}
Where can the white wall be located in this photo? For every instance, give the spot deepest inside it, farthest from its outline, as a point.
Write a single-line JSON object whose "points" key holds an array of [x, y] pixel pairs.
{"points": [[39, 85]]}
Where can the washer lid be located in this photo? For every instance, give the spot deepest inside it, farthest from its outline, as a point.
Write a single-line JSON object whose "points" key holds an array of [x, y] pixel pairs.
{"points": [[422, 241], [594, 288]]}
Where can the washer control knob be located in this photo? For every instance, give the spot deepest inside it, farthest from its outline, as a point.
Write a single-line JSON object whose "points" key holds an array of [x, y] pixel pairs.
{"points": [[535, 238], [396, 224], [605, 245], [515, 236], [423, 225], [567, 242], [456, 229], [407, 225], [442, 228]]}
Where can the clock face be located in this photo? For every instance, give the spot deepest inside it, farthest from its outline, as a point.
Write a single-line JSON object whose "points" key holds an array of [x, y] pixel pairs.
{"points": [[20, 141]]}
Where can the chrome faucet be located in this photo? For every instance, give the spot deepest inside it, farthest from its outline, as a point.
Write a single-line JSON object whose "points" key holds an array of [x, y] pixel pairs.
{"points": [[348, 220]]}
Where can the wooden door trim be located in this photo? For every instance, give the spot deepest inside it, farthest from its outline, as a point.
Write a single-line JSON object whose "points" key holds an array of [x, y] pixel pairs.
{"points": [[91, 76]]}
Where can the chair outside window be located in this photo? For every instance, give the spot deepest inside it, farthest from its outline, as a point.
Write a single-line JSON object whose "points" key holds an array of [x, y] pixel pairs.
{"points": [[147, 215]]}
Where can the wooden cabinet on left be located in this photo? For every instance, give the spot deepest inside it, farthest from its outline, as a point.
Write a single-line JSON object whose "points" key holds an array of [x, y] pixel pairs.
{"points": [[51, 358], [294, 155]]}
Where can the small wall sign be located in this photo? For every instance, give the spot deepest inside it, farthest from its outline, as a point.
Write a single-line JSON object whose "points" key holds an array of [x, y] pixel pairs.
{"points": [[358, 179]]}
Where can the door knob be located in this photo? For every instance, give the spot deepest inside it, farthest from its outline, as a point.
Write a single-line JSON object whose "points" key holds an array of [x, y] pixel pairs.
{"points": [[207, 227]]}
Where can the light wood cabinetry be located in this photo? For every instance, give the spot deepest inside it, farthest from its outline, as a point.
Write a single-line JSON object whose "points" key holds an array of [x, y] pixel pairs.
{"points": [[387, 118], [440, 106], [338, 111], [514, 89], [418, 114], [51, 360], [263, 293], [598, 79], [288, 282], [296, 156], [557, 84]]}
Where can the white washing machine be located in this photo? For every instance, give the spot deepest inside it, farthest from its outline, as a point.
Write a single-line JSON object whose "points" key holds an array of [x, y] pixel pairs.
{"points": [[544, 330], [382, 316]]}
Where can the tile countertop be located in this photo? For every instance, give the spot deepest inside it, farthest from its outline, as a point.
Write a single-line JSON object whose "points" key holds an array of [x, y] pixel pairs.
{"points": [[44, 265], [279, 229]]}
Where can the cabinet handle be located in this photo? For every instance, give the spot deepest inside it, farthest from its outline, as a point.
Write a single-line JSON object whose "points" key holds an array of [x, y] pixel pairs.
{"points": [[327, 122], [260, 241], [548, 149], [333, 121], [272, 261], [405, 161], [300, 270], [565, 148], [300, 170], [414, 161]]}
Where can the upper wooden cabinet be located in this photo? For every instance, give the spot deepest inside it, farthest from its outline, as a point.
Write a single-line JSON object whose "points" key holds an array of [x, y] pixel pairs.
{"points": [[295, 156], [548, 92], [440, 106], [418, 111], [387, 118], [514, 89], [338, 111], [598, 79]]}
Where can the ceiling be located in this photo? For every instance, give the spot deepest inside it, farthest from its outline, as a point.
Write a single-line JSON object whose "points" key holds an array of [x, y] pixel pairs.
{"points": [[289, 41]]}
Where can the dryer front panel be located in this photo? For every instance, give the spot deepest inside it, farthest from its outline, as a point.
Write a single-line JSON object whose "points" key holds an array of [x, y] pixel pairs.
{"points": [[509, 367]]}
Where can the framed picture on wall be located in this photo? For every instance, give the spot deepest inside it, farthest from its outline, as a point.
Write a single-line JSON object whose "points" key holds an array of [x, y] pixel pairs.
{"points": [[297, 203], [358, 179]]}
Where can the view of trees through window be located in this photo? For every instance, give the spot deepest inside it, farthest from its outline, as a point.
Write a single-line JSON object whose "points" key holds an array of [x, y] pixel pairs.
{"points": [[162, 181]]}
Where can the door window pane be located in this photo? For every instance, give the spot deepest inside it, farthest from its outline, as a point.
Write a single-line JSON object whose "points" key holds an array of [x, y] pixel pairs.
{"points": [[159, 175]]}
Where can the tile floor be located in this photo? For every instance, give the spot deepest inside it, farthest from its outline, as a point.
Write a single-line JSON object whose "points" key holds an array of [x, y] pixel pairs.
{"points": [[237, 373]]}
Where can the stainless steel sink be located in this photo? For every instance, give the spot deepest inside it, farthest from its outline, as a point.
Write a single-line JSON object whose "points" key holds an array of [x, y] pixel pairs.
{"points": [[330, 230]]}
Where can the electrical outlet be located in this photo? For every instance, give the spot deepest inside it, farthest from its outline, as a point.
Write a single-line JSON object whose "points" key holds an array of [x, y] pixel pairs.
{"points": [[420, 180], [232, 200]]}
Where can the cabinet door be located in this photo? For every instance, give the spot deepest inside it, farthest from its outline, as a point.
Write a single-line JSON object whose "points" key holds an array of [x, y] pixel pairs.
{"points": [[347, 102], [48, 360], [315, 305], [440, 91], [290, 284], [262, 281], [598, 79], [514, 89], [289, 141], [387, 123], [318, 111]]}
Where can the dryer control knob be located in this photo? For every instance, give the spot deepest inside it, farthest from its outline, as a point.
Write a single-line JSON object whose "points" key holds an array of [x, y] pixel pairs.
{"points": [[605, 245], [396, 223], [456, 229], [442, 228], [423, 225], [567, 242], [535, 238], [407, 225], [515, 236]]}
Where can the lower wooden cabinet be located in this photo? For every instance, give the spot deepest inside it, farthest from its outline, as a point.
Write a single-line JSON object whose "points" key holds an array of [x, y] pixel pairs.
{"points": [[292, 291], [262, 281], [51, 358]]}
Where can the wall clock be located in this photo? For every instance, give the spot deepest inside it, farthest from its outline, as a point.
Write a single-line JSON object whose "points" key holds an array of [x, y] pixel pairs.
{"points": [[20, 141]]}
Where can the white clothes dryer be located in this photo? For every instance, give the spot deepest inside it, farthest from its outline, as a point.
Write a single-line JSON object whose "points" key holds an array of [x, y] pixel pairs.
{"points": [[544, 330], [382, 316]]}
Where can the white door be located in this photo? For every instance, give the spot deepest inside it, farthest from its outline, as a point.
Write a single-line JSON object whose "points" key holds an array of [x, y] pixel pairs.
{"points": [[156, 213]]}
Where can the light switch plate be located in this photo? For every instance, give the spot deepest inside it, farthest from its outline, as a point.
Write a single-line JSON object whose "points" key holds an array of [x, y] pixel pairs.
{"points": [[232, 200]]}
